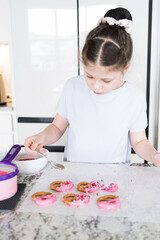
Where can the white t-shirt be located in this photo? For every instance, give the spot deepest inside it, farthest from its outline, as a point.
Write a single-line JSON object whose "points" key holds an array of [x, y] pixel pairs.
{"points": [[99, 124]]}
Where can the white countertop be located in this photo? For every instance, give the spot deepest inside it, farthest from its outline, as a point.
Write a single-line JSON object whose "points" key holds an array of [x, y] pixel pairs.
{"points": [[33, 225]]}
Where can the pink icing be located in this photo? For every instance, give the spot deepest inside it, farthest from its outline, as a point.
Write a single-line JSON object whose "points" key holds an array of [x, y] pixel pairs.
{"points": [[113, 187], [81, 200], [111, 204], [93, 186], [27, 159], [3, 173], [46, 200], [65, 186]]}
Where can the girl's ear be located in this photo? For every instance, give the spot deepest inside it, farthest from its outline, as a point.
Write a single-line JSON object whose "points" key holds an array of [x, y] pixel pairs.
{"points": [[126, 68]]}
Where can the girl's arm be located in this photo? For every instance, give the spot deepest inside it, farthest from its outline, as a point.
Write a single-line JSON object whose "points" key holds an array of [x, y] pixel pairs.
{"points": [[143, 147], [49, 135]]}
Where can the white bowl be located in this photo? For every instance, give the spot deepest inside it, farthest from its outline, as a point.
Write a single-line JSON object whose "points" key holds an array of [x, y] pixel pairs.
{"points": [[30, 167]]}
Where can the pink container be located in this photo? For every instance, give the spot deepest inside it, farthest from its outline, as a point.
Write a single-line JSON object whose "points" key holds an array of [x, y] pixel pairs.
{"points": [[8, 188], [8, 181]]}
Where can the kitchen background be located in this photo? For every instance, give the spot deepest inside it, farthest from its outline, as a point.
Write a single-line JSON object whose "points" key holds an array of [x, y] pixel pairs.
{"points": [[40, 41]]}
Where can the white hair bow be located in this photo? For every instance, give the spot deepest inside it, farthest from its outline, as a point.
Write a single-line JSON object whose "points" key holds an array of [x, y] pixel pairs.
{"points": [[126, 23]]}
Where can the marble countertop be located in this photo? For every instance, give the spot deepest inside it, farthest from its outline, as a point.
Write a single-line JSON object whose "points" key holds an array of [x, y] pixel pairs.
{"points": [[28, 226]]}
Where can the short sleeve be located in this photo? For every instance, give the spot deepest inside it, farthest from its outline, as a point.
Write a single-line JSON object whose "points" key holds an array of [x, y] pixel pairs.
{"points": [[139, 117]]}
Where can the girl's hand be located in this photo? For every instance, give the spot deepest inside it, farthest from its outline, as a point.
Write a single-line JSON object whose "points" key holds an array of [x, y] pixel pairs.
{"points": [[33, 142], [156, 159]]}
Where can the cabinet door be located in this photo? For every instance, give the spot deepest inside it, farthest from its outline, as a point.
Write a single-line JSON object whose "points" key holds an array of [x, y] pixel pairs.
{"points": [[6, 132], [28, 129], [6, 142], [92, 10], [44, 35], [6, 123]]}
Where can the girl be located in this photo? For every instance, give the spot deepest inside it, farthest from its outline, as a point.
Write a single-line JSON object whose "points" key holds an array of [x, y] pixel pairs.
{"points": [[104, 115]]}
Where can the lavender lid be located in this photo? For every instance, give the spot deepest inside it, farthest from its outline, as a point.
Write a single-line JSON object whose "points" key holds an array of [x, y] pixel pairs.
{"points": [[11, 174], [6, 162]]}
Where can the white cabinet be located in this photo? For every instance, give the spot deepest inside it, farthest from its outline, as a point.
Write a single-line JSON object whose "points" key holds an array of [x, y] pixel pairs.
{"points": [[28, 129], [6, 131], [45, 54]]}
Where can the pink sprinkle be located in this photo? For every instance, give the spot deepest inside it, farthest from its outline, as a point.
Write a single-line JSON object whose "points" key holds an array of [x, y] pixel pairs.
{"points": [[102, 180], [131, 180], [92, 219], [104, 189]]}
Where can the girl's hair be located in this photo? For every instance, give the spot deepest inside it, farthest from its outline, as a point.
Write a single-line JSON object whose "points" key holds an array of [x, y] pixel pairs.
{"points": [[109, 45]]}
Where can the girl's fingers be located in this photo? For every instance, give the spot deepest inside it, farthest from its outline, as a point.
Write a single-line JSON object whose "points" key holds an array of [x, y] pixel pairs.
{"points": [[31, 144]]}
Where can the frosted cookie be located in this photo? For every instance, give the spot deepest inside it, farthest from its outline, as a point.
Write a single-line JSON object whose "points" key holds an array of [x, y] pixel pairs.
{"points": [[40, 194], [109, 202], [76, 199], [44, 198], [60, 186], [88, 187]]}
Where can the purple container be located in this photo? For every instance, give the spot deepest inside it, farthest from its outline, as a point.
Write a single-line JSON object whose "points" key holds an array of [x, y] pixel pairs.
{"points": [[8, 182]]}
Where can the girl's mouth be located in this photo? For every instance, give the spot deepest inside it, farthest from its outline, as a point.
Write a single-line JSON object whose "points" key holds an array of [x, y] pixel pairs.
{"points": [[97, 93]]}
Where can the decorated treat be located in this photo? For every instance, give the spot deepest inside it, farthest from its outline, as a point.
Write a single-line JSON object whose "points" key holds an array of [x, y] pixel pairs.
{"points": [[76, 199], [109, 202], [60, 186], [88, 187], [113, 187], [27, 159], [3, 173], [45, 200], [40, 194]]}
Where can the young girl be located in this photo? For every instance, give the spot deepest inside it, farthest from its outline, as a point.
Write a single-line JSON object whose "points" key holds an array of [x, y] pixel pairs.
{"points": [[104, 115]]}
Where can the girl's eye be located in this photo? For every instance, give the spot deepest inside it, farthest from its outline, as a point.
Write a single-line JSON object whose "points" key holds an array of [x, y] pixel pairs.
{"points": [[89, 77], [107, 81]]}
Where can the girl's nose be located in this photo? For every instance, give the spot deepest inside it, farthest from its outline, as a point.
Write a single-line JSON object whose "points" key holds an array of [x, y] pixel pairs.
{"points": [[97, 84]]}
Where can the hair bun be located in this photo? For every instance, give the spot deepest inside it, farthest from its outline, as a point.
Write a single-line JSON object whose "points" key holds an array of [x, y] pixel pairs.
{"points": [[118, 13], [120, 17]]}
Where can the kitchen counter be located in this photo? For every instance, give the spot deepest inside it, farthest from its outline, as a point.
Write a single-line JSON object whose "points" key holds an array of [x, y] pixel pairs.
{"points": [[28, 226]]}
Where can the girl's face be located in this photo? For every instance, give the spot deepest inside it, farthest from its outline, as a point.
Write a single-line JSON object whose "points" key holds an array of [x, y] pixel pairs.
{"points": [[103, 79]]}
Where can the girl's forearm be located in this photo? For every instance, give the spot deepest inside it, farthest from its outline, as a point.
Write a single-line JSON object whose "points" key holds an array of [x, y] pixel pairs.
{"points": [[50, 134], [145, 150]]}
